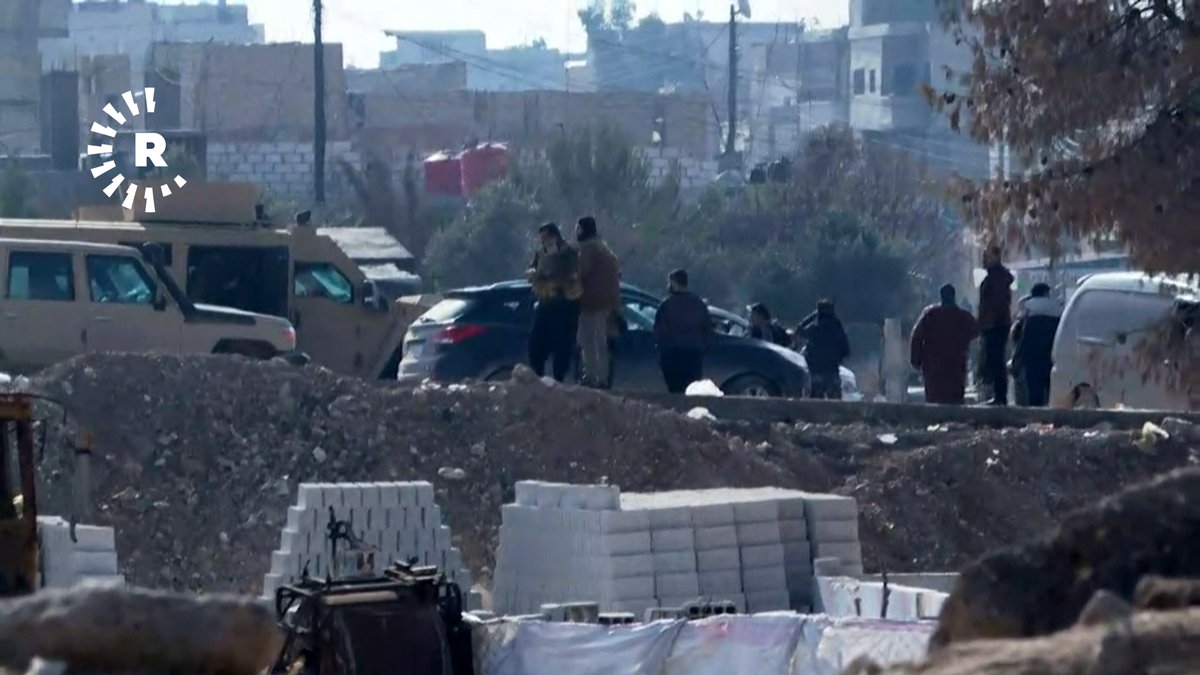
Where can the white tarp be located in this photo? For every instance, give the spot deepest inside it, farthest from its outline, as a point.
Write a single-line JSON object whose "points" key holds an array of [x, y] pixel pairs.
{"points": [[764, 644], [585, 649], [735, 644]]}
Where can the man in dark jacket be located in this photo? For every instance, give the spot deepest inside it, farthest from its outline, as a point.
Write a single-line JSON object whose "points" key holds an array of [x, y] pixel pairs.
{"points": [[1033, 343], [554, 274], [995, 322], [682, 328], [939, 346], [765, 328], [826, 347]]}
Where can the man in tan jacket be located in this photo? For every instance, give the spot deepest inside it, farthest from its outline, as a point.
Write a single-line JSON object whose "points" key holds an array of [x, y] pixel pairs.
{"points": [[600, 304], [554, 274]]}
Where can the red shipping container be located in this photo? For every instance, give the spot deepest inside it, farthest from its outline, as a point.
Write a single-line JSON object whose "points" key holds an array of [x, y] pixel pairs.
{"points": [[481, 165], [443, 175]]}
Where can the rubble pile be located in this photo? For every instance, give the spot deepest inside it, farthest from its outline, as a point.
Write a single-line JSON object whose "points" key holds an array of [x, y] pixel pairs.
{"points": [[198, 459], [932, 499]]}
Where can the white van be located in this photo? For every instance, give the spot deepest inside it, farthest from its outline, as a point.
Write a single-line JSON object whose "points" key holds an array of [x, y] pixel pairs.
{"points": [[1096, 356]]}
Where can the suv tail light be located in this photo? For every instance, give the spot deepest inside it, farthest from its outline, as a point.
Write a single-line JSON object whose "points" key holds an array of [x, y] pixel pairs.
{"points": [[452, 335]]}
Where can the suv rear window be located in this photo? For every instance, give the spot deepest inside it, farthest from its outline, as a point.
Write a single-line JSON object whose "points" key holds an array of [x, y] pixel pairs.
{"points": [[446, 311]]}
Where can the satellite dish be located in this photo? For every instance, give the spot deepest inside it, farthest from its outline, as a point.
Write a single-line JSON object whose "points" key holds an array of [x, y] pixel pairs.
{"points": [[744, 8]]}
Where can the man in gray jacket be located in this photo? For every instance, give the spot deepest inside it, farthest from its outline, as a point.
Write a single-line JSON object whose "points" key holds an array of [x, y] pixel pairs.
{"points": [[682, 328]]}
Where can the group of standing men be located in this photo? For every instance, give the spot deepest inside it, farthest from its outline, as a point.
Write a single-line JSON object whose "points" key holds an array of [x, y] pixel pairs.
{"points": [[578, 293], [822, 339], [942, 338]]}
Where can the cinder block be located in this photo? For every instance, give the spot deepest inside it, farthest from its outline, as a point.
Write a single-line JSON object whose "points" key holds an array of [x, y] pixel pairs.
{"points": [[797, 554], [671, 562], [718, 559], [758, 533], [764, 579], [851, 552], [628, 588], [431, 516], [311, 496], [708, 538], [792, 507], [629, 543], [793, 529], [526, 492], [673, 540], [712, 515], [624, 521], [284, 564], [719, 582], [618, 567], [95, 562], [768, 602], [93, 538], [670, 518], [833, 531], [829, 507], [424, 494], [762, 511], [676, 585], [766, 555]]}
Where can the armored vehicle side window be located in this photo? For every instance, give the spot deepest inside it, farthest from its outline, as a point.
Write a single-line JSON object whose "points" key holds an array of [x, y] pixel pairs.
{"points": [[322, 280], [250, 278], [119, 279], [40, 276]]}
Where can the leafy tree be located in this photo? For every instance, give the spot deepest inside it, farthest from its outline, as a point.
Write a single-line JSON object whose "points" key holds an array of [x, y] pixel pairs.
{"points": [[490, 241], [16, 193], [1102, 102]]}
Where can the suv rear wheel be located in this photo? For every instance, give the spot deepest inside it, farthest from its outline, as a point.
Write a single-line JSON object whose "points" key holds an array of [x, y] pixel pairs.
{"points": [[752, 386]]}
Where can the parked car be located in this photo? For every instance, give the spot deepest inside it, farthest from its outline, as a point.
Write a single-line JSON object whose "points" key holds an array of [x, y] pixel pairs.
{"points": [[62, 299], [1096, 357], [731, 324], [482, 333]]}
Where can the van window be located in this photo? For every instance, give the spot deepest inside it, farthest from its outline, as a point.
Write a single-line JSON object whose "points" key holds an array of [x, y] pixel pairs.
{"points": [[40, 276], [250, 278], [119, 279], [1105, 315], [322, 280]]}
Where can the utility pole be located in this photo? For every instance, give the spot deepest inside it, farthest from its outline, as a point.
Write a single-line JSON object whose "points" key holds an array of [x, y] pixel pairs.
{"points": [[318, 114], [730, 148]]}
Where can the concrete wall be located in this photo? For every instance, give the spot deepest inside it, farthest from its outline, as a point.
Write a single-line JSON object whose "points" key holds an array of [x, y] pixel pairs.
{"points": [[254, 92], [403, 79], [284, 169], [433, 120]]}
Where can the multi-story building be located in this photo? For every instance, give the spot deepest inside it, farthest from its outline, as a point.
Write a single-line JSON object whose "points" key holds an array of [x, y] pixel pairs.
{"points": [[521, 68], [108, 27], [22, 22]]}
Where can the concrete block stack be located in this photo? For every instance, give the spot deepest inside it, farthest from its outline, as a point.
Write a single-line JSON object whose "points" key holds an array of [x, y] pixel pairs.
{"points": [[635, 552], [400, 521], [92, 557]]}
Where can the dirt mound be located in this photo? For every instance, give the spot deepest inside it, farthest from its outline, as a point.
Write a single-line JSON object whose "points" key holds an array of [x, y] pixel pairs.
{"points": [[1042, 587], [199, 458]]}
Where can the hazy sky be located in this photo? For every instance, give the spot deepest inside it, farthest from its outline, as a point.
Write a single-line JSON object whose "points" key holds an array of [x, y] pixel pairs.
{"points": [[359, 24]]}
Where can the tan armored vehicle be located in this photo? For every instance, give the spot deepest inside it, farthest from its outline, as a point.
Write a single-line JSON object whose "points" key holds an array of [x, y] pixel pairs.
{"points": [[224, 251], [64, 298]]}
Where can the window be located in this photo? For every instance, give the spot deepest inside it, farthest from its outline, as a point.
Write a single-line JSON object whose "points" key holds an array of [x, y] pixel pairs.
{"points": [[904, 80], [860, 82], [639, 316], [322, 280], [872, 80], [40, 276], [163, 248], [120, 280], [250, 278]]}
